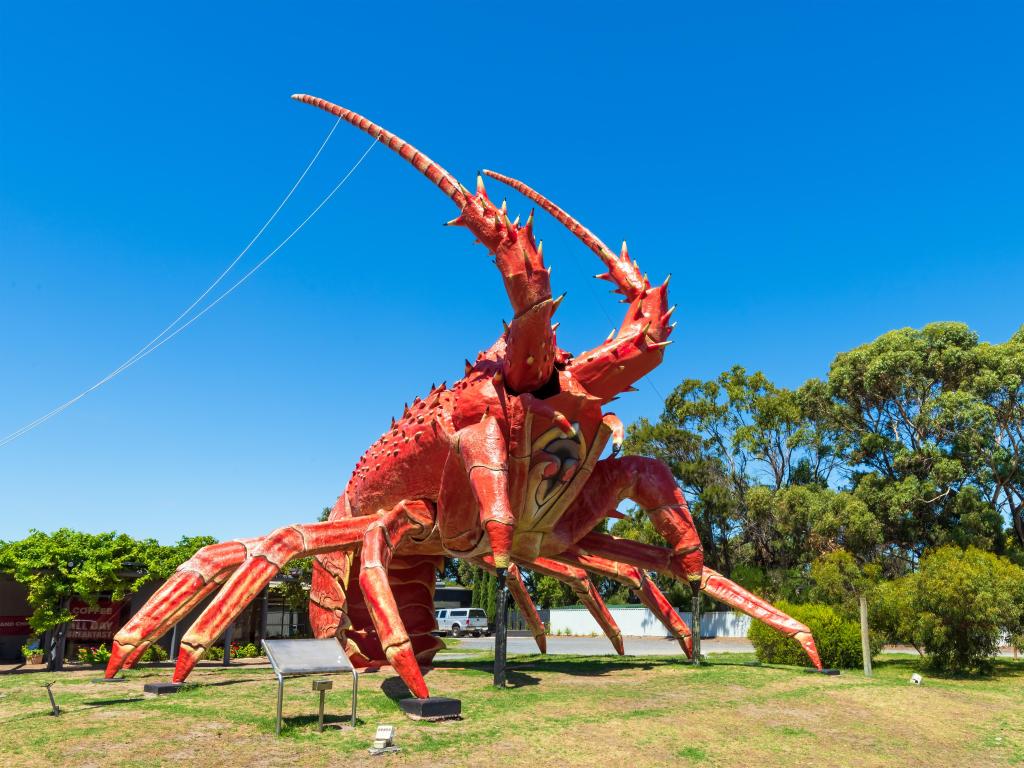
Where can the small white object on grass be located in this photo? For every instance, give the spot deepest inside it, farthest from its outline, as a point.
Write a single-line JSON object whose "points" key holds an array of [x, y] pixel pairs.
{"points": [[916, 679], [383, 740]]}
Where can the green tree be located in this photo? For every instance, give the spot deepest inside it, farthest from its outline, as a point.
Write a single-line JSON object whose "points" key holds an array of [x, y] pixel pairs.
{"points": [[548, 592], [956, 607], [65, 564], [840, 580], [989, 436], [754, 460], [921, 409], [725, 436]]}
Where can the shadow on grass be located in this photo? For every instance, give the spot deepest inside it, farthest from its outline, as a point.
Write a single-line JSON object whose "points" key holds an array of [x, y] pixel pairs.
{"points": [[111, 702], [220, 683], [585, 666], [331, 722]]}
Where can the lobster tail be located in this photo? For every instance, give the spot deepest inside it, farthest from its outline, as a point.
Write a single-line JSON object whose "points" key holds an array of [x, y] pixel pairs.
{"points": [[444, 180]]}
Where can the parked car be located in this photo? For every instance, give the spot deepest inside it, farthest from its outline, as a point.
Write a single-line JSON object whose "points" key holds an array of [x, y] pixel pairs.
{"points": [[459, 621]]}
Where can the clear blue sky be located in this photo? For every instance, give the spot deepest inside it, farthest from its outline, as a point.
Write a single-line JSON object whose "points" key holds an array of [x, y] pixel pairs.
{"points": [[812, 174]]}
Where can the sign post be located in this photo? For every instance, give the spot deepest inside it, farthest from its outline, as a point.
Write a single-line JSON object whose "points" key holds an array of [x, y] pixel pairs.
{"points": [[295, 658]]}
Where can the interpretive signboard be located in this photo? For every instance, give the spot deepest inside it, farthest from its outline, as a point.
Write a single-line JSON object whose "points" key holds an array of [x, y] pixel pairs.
{"points": [[295, 658]]}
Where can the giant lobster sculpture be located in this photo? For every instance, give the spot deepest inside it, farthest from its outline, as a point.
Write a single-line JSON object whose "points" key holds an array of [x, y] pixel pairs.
{"points": [[503, 469]]}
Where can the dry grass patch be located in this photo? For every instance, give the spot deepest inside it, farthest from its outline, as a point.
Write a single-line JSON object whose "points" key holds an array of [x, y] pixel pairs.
{"points": [[560, 711]]}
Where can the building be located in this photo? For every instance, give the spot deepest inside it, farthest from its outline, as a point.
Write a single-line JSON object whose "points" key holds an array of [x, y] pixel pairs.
{"points": [[269, 617]]}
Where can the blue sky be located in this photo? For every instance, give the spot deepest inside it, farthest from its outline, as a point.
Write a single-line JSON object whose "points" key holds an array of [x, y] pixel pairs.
{"points": [[812, 174]]}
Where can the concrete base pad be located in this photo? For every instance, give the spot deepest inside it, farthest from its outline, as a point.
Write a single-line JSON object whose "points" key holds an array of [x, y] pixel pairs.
{"points": [[161, 688], [825, 671], [432, 708]]}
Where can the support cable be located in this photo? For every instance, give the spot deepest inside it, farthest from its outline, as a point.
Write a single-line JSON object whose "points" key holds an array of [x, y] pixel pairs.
{"points": [[166, 335]]}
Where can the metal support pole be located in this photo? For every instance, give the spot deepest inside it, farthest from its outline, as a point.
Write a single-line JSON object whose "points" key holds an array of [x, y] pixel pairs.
{"points": [[174, 643], [228, 634], [355, 694], [695, 629], [280, 703], [500, 632], [320, 717], [264, 610], [865, 636]]}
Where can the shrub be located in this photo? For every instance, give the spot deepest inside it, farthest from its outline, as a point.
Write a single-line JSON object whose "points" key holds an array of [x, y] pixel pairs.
{"points": [[100, 655], [247, 651], [957, 607], [155, 652], [837, 638], [214, 653]]}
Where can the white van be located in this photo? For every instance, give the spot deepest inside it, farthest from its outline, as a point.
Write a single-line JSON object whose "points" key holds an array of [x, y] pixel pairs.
{"points": [[459, 621]]}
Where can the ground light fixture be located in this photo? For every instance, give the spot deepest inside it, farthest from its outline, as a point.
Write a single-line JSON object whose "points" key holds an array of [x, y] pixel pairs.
{"points": [[384, 740]]}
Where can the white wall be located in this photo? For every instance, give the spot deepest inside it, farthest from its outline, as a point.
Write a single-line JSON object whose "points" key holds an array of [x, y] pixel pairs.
{"points": [[638, 621]]}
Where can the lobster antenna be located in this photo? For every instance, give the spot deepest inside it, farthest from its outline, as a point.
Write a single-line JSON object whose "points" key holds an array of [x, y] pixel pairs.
{"points": [[589, 239], [447, 183]]}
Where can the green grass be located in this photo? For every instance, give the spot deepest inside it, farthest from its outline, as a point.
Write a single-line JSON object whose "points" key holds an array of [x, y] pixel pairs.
{"points": [[558, 710]]}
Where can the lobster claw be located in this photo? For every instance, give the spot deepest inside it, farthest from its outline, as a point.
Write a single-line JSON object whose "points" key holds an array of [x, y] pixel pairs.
{"points": [[613, 423]]}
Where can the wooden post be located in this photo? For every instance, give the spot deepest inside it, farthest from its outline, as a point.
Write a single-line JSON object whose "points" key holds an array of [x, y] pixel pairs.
{"points": [[865, 637]]}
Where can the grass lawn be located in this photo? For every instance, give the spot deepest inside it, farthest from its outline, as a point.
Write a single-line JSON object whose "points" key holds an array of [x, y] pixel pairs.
{"points": [[558, 711]]}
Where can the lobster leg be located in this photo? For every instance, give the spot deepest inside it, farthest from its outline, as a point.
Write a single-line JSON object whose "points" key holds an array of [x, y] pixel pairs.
{"points": [[586, 592], [652, 558], [650, 484], [379, 544], [514, 580], [645, 590], [264, 559], [188, 586], [485, 456]]}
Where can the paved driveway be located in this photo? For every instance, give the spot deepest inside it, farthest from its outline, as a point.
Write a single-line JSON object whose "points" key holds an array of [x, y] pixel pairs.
{"points": [[599, 646]]}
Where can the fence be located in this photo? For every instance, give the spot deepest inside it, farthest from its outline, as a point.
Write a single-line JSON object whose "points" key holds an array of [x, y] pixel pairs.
{"points": [[638, 621]]}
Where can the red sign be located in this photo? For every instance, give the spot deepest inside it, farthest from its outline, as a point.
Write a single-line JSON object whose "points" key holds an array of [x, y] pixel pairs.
{"points": [[14, 625], [96, 623]]}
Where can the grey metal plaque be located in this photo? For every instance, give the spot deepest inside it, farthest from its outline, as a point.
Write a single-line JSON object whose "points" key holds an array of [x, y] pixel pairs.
{"points": [[307, 657]]}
